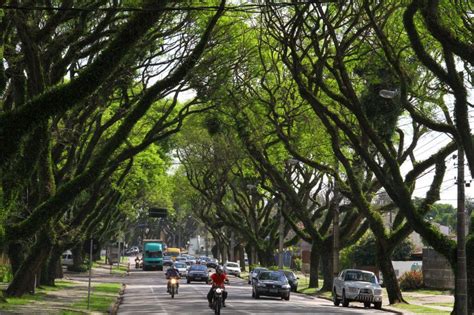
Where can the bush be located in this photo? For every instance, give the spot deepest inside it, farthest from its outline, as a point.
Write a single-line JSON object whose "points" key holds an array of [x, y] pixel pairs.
{"points": [[411, 280], [298, 263], [5, 273], [253, 266]]}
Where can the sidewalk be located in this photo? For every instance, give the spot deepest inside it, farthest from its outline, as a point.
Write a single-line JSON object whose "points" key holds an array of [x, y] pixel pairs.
{"points": [[70, 294]]}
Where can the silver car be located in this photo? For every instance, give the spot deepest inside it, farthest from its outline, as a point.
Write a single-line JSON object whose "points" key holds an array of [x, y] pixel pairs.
{"points": [[359, 286]]}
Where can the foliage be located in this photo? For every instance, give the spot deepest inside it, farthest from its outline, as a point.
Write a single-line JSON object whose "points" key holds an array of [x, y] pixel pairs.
{"points": [[5, 273], [298, 263], [411, 280]]}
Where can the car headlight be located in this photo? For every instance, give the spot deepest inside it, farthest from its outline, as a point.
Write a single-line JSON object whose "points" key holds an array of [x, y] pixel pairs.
{"points": [[352, 289], [285, 286], [260, 284], [377, 292]]}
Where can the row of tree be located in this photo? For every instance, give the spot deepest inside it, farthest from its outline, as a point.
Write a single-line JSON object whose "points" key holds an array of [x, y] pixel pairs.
{"points": [[310, 111]]}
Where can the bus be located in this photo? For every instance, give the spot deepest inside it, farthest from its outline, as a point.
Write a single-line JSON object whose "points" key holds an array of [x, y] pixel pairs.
{"points": [[173, 252]]}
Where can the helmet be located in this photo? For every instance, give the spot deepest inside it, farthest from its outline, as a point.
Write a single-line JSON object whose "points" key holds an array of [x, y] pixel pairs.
{"points": [[219, 269]]}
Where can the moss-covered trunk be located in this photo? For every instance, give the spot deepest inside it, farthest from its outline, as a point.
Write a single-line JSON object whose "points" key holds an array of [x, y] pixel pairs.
{"points": [[326, 268], [314, 266], [16, 255], [24, 279], [384, 262], [52, 269]]}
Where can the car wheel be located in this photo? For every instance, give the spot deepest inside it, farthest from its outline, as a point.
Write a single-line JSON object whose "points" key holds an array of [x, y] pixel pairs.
{"points": [[345, 301], [334, 298], [257, 296], [188, 281], [287, 298], [367, 304], [253, 293], [378, 305]]}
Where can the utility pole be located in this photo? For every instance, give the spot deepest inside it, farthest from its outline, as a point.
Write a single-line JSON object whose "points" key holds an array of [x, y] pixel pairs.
{"points": [[280, 234], [335, 231], [461, 277]]}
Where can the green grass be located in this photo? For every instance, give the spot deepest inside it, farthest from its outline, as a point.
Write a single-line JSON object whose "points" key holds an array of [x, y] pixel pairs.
{"points": [[419, 309], [441, 304], [102, 296], [429, 292]]}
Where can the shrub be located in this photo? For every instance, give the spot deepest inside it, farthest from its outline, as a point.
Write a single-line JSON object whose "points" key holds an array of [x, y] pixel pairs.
{"points": [[253, 266], [298, 263], [411, 280], [5, 273]]}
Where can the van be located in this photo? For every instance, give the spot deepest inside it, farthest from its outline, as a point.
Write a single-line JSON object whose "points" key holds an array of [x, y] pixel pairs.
{"points": [[66, 258]]}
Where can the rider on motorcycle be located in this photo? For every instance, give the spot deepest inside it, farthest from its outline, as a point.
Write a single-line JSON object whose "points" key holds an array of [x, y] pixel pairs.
{"points": [[217, 281], [172, 272]]}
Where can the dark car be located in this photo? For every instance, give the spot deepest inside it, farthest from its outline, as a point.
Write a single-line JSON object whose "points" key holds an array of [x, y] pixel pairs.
{"points": [[271, 283], [254, 274], [292, 279], [212, 263], [197, 273], [167, 261]]}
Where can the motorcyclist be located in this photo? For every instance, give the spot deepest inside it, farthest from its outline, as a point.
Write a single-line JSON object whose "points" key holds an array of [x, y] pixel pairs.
{"points": [[217, 281], [171, 273]]}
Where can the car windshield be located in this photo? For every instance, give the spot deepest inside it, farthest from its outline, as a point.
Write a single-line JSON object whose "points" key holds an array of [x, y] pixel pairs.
{"points": [[290, 275], [180, 265], [198, 267], [274, 276], [232, 265], [360, 276], [156, 254]]}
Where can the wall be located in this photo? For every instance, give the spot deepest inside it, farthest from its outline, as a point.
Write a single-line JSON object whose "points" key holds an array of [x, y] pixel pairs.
{"points": [[437, 272]]}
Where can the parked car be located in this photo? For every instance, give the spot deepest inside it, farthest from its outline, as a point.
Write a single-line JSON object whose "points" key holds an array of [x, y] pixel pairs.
{"points": [[232, 268], [182, 268], [358, 286], [167, 261], [254, 273], [212, 263], [271, 283], [197, 273], [292, 279], [66, 258]]}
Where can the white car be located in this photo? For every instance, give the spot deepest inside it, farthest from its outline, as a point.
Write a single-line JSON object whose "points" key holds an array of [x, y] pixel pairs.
{"points": [[359, 286], [182, 268], [232, 268]]}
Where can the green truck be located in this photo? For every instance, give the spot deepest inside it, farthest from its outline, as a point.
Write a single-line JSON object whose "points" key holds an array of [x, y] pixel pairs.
{"points": [[153, 254]]}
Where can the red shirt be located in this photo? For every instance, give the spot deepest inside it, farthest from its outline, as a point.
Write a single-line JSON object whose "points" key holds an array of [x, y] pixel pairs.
{"points": [[218, 280]]}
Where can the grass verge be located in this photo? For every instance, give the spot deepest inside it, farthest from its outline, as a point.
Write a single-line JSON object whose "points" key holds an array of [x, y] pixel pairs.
{"points": [[102, 296], [417, 309]]}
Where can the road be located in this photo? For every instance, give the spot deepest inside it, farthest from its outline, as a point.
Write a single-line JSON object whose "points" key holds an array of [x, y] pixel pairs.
{"points": [[145, 293]]}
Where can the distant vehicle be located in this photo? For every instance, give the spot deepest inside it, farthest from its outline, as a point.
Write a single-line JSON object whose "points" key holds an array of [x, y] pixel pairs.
{"points": [[173, 252], [212, 263], [271, 283], [292, 279], [132, 251], [358, 286], [167, 261], [254, 274], [66, 258], [182, 268], [197, 273], [152, 254], [180, 258], [191, 260], [232, 268]]}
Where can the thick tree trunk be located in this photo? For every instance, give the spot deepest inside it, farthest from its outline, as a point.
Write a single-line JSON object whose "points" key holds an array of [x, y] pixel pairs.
{"points": [[52, 269], [77, 258], [16, 255], [250, 257], [314, 266], [326, 262], [384, 262], [24, 279], [266, 257], [242, 258]]}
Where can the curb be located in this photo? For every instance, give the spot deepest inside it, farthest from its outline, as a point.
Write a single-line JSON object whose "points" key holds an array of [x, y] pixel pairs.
{"points": [[114, 308]]}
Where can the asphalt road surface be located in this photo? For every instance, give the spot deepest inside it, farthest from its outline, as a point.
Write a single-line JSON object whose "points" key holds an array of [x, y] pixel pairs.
{"points": [[145, 293]]}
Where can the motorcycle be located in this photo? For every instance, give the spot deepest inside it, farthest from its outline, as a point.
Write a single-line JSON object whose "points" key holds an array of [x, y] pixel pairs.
{"points": [[217, 300], [173, 289]]}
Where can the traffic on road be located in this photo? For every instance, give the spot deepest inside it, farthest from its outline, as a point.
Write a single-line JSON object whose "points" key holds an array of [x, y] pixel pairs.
{"points": [[147, 292]]}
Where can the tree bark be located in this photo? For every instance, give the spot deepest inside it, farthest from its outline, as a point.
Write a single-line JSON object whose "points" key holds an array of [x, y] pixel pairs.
{"points": [[384, 262], [52, 269], [24, 279], [470, 272], [326, 260], [314, 266]]}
